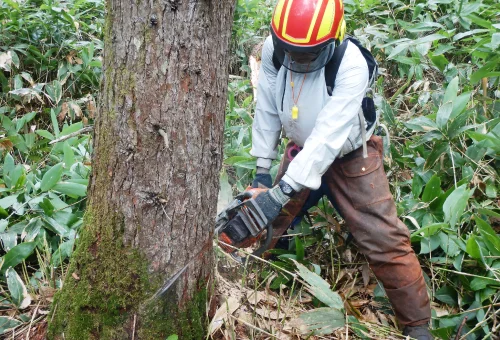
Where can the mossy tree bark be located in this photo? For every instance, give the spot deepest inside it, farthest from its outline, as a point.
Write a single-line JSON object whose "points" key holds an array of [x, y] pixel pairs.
{"points": [[157, 156]]}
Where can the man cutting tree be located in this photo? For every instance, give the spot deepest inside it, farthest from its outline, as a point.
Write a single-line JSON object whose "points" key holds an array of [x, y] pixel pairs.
{"points": [[313, 84]]}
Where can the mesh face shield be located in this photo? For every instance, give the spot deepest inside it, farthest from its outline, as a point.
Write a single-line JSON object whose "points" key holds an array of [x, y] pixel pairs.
{"points": [[307, 59]]}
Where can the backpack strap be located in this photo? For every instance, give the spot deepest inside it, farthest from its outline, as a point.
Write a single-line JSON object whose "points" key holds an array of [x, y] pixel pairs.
{"points": [[276, 62], [332, 67]]}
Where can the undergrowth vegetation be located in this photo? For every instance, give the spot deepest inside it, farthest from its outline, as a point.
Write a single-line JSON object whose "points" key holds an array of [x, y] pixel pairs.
{"points": [[438, 93]]}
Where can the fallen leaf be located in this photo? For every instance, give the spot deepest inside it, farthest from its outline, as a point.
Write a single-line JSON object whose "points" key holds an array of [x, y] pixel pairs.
{"points": [[359, 303], [368, 315], [347, 255], [270, 314], [76, 109], [91, 107], [304, 297], [254, 297], [6, 144], [75, 276], [64, 111], [228, 307]]}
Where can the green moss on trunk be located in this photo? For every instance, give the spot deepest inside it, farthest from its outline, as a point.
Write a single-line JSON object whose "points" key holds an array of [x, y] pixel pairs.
{"points": [[113, 289], [163, 318], [113, 280]]}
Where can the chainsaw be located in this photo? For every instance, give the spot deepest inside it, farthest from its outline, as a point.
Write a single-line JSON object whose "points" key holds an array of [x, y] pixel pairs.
{"points": [[241, 224]]}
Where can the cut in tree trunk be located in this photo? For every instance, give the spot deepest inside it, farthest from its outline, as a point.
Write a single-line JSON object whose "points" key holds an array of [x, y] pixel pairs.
{"points": [[155, 174]]}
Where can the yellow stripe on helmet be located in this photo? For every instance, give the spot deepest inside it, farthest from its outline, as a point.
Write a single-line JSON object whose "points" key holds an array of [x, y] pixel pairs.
{"points": [[277, 13], [339, 35], [311, 27], [327, 22]]}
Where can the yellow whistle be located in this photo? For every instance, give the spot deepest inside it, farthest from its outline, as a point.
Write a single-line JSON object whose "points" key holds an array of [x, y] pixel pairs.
{"points": [[295, 112]]}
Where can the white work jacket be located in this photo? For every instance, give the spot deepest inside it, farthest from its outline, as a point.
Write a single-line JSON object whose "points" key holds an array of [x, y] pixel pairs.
{"points": [[327, 127]]}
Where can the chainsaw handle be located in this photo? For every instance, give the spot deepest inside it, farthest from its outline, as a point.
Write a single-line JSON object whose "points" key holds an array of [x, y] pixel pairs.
{"points": [[244, 195]]}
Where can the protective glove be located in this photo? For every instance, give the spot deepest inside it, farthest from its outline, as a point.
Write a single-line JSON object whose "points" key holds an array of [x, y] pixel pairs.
{"points": [[262, 179], [272, 201]]}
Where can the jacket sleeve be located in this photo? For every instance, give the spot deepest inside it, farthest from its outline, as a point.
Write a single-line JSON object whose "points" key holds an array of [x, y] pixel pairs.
{"points": [[266, 126], [333, 125]]}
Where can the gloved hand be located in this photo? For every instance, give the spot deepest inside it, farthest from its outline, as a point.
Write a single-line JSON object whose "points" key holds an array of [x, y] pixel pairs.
{"points": [[272, 201], [262, 179]]}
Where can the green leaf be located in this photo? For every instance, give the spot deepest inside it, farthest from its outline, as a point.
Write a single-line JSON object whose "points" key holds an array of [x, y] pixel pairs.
{"points": [[16, 255], [429, 244], [51, 177], [45, 134], [299, 249], [6, 322], [451, 91], [246, 164], [438, 149], [236, 159], [8, 201], [71, 189], [173, 337], [62, 253], [455, 204], [55, 124], [448, 244], [443, 114], [473, 248], [398, 50], [55, 226], [71, 128], [490, 237], [8, 164], [424, 27], [447, 295], [416, 185], [17, 289], [15, 175], [32, 229], [479, 283], [459, 104], [9, 240], [54, 91], [488, 70], [47, 206], [429, 230], [439, 61], [387, 112], [432, 189], [495, 40], [14, 5], [69, 156], [319, 288], [3, 225], [323, 321], [469, 33], [422, 124]]}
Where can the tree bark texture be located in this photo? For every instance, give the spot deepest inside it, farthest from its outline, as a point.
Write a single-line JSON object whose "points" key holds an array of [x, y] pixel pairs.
{"points": [[155, 174]]}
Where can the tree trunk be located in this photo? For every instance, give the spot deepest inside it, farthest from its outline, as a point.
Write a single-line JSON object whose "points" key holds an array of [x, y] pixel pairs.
{"points": [[155, 174]]}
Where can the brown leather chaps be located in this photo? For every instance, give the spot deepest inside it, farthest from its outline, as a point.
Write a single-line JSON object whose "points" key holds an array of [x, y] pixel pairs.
{"points": [[360, 192]]}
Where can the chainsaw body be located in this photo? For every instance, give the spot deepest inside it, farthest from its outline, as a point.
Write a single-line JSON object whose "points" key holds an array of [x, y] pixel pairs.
{"points": [[241, 224]]}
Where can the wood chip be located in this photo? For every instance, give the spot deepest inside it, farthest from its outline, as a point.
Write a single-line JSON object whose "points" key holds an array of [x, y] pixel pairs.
{"points": [[75, 276]]}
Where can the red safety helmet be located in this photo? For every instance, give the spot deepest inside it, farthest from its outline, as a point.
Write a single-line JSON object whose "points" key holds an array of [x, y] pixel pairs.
{"points": [[307, 26]]}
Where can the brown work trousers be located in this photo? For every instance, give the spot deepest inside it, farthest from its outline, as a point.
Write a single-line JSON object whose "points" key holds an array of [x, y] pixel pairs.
{"points": [[362, 197]]}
